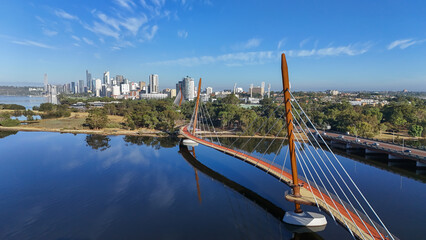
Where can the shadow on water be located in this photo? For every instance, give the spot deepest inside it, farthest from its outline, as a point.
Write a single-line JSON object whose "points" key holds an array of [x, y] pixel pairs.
{"points": [[155, 142], [277, 212]]}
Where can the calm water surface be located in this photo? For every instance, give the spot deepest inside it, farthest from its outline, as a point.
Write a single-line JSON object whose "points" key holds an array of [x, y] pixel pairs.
{"points": [[64, 186], [27, 102]]}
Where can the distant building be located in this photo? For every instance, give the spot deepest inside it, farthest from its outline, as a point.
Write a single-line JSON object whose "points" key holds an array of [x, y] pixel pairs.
{"points": [[116, 91], [89, 80], [73, 88], [45, 82], [125, 88], [97, 87], [209, 91], [153, 95], [188, 88], [332, 92], [106, 78], [119, 79], [257, 90], [153, 83], [80, 86]]}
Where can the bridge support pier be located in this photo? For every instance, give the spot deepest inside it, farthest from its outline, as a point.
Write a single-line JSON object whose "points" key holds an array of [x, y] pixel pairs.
{"points": [[419, 164], [307, 219]]}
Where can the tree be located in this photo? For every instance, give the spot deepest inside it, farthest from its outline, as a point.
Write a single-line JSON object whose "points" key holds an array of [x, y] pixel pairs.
{"points": [[97, 119], [415, 130]]}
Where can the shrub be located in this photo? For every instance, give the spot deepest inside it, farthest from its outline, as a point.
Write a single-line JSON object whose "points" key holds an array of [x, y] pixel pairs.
{"points": [[10, 122]]}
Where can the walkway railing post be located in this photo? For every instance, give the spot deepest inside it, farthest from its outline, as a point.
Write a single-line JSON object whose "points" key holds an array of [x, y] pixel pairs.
{"points": [[290, 134], [196, 107]]}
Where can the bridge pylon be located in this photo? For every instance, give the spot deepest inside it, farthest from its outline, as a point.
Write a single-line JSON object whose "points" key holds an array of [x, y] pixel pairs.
{"points": [[298, 217]]}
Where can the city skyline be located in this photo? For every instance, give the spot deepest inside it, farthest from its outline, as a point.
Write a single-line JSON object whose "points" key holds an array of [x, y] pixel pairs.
{"points": [[346, 46]]}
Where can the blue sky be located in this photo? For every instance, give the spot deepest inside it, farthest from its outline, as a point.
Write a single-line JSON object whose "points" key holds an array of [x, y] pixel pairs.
{"points": [[344, 45]]}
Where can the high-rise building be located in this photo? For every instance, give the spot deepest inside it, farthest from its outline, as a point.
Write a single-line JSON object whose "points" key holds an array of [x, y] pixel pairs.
{"points": [[106, 78], [119, 79], [97, 87], [73, 88], [153, 83], [80, 86], [89, 80], [187, 87], [209, 91], [45, 82]]}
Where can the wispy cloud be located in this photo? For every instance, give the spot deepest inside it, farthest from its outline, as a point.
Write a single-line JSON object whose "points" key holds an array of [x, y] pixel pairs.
{"points": [[88, 41], [49, 33], [62, 14], [404, 43], [303, 42], [103, 30], [127, 4], [231, 59], [182, 34], [281, 43], [32, 43], [249, 44], [75, 38], [149, 34], [349, 50], [261, 57]]}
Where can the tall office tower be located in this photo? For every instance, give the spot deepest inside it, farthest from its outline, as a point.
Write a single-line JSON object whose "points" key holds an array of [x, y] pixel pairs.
{"points": [[269, 90], [153, 83], [188, 88], [235, 88], [106, 78], [262, 88], [119, 79], [251, 90], [45, 82], [89, 80], [209, 91], [80, 86], [97, 87], [142, 86], [73, 88]]}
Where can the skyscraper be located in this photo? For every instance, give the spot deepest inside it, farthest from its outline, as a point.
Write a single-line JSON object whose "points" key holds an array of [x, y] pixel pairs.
{"points": [[106, 78], [89, 80], [80, 86], [153, 83], [45, 82], [188, 88], [209, 91]]}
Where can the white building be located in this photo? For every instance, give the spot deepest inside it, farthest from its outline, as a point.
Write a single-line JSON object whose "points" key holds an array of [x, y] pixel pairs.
{"points": [[209, 91], [98, 87], [125, 88], [153, 95], [116, 91], [153, 83], [106, 78]]}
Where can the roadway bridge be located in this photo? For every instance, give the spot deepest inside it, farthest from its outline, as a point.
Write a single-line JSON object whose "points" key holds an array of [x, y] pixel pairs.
{"points": [[393, 151]]}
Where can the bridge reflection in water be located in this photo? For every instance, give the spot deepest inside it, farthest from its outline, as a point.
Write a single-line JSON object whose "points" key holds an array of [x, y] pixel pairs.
{"points": [[298, 232]]}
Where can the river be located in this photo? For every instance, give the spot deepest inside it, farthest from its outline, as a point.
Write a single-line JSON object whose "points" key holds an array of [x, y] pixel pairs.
{"points": [[65, 186], [26, 101]]}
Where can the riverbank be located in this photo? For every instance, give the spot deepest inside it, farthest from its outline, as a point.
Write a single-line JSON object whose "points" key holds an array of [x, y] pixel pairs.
{"points": [[74, 124]]}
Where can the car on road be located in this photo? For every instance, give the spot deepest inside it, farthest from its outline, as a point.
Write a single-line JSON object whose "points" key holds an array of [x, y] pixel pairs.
{"points": [[407, 151], [341, 136], [375, 144], [357, 140]]}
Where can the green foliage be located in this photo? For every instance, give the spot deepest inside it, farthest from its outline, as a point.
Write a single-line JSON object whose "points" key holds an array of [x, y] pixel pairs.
{"points": [[54, 111], [97, 118], [415, 130], [230, 99], [12, 107], [10, 122]]}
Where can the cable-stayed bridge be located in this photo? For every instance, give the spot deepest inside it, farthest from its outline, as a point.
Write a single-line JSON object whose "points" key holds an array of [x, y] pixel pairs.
{"points": [[323, 181]]}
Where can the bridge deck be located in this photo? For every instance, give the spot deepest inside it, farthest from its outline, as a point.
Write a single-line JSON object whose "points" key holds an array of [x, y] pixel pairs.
{"points": [[329, 205]]}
